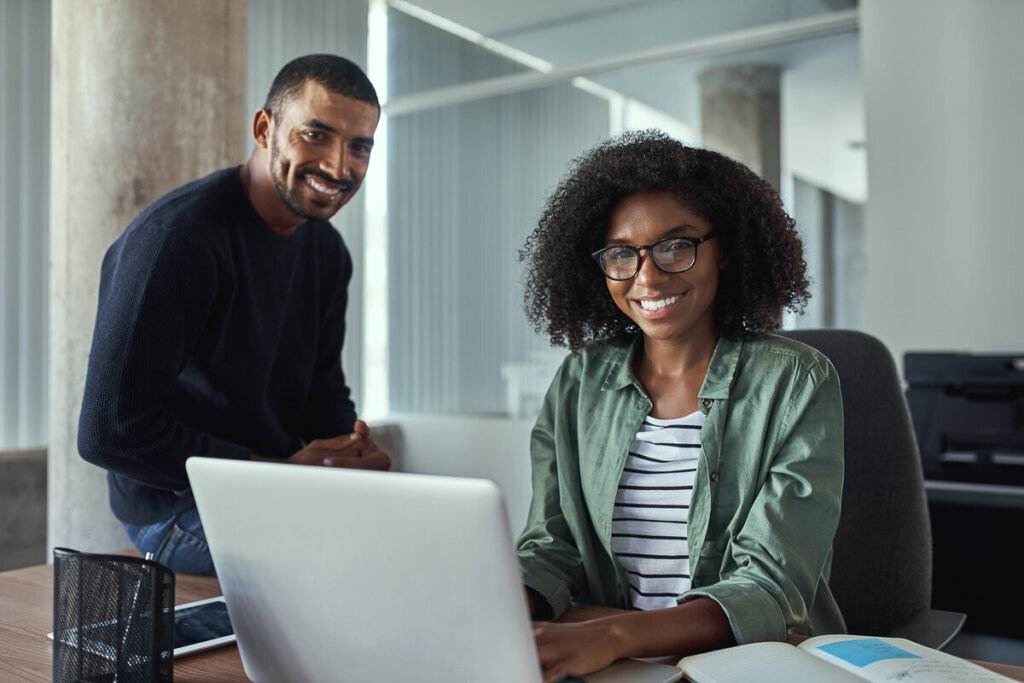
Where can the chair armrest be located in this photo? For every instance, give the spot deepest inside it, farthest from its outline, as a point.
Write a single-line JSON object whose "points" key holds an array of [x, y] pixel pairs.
{"points": [[932, 628]]}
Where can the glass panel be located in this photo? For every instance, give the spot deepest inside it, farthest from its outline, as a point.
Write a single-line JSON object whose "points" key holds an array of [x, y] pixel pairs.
{"points": [[466, 184]]}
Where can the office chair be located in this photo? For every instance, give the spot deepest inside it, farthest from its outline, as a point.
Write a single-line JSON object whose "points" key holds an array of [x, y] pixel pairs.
{"points": [[882, 554]]}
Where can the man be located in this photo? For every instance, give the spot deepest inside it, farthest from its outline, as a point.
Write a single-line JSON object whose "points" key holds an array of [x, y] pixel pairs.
{"points": [[222, 315]]}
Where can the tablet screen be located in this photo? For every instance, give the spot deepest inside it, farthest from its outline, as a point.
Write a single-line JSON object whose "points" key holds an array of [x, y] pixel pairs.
{"points": [[201, 625]]}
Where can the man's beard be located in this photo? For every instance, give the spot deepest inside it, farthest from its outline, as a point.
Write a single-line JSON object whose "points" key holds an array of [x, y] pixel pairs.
{"points": [[290, 198]]}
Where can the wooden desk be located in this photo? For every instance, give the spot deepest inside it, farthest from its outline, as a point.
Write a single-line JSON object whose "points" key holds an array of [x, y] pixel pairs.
{"points": [[26, 616]]}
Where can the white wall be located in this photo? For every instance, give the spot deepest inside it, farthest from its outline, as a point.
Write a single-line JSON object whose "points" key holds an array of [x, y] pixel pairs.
{"points": [[944, 95]]}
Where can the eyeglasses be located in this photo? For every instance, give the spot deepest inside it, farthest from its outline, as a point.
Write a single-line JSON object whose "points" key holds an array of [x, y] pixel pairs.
{"points": [[670, 255]]}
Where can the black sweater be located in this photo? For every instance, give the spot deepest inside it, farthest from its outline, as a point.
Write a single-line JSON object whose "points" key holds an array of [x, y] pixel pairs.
{"points": [[215, 337]]}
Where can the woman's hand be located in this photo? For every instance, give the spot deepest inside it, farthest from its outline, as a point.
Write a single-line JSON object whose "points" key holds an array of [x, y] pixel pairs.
{"points": [[579, 648], [585, 647]]}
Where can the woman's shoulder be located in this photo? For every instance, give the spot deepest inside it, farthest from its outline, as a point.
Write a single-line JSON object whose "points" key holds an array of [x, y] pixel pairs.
{"points": [[773, 350], [772, 369]]}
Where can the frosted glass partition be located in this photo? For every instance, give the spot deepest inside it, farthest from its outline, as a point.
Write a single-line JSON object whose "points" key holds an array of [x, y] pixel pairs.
{"points": [[24, 221], [466, 184]]}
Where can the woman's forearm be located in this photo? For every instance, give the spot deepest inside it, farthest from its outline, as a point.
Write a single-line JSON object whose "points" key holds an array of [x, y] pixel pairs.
{"points": [[694, 626]]}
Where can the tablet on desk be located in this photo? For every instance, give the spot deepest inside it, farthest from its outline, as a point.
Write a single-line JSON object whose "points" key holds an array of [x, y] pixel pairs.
{"points": [[198, 626], [201, 625]]}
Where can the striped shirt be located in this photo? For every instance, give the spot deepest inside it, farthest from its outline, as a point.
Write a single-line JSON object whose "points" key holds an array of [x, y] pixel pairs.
{"points": [[651, 508]]}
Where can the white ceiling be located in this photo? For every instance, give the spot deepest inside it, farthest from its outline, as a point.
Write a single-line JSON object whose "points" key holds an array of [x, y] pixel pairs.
{"points": [[820, 75], [496, 17], [567, 33], [611, 26]]}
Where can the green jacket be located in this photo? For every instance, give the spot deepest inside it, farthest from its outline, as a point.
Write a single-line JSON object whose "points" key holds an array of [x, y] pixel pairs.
{"points": [[765, 502]]}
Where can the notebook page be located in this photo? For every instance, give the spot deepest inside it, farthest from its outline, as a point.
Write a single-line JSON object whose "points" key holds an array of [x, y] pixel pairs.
{"points": [[764, 663], [890, 659]]}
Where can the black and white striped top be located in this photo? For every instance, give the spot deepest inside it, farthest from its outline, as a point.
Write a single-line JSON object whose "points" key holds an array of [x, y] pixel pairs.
{"points": [[651, 507]]}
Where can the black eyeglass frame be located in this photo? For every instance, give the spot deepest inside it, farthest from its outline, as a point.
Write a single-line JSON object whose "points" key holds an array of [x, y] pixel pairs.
{"points": [[694, 241]]}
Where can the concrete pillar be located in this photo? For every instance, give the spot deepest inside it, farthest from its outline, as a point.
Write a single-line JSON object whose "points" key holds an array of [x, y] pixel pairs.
{"points": [[740, 115], [144, 97]]}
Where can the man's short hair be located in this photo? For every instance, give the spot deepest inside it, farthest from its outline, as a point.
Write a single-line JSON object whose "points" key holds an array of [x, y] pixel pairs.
{"points": [[336, 74]]}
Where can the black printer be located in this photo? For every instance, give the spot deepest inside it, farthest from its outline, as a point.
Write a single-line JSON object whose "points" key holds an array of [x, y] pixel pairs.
{"points": [[968, 415]]}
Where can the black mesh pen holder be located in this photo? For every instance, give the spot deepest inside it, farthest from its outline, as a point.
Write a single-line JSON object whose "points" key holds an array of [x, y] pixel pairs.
{"points": [[113, 618]]}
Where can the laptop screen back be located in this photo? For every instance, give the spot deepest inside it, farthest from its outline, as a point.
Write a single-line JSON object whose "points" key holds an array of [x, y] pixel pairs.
{"points": [[334, 574]]}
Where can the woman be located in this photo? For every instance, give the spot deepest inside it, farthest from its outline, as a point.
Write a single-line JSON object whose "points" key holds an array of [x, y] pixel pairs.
{"points": [[687, 464]]}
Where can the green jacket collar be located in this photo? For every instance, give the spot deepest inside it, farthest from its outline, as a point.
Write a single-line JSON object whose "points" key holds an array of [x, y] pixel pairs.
{"points": [[722, 371]]}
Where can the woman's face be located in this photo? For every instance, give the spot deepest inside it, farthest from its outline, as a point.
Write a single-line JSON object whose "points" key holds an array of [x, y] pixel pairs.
{"points": [[665, 306]]}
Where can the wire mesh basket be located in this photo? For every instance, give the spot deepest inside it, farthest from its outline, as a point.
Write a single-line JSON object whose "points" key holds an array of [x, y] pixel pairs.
{"points": [[113, 618]]}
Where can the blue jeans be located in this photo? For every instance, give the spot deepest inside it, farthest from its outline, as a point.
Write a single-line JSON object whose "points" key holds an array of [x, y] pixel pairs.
{"points": [[178, 543]]}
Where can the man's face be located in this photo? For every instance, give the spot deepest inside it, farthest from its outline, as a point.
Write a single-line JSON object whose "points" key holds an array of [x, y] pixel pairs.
{"points": [[320, 145]]}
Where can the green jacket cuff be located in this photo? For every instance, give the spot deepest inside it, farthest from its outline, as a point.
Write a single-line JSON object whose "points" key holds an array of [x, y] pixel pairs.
{"points": [[549, 586], [753, 614]]}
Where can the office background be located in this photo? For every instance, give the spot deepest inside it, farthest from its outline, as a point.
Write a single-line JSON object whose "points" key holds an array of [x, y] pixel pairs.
{"points": [[898, 152]]}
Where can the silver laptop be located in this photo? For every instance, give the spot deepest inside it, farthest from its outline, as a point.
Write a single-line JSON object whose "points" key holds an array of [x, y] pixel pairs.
{"points": [[344, 575]]}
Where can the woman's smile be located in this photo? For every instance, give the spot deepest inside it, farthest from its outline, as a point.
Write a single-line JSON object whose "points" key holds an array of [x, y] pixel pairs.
{"points": [[657, 306]]}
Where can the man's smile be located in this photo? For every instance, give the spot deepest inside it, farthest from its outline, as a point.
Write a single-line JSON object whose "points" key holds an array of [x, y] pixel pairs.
{"points": [[324, 185]]}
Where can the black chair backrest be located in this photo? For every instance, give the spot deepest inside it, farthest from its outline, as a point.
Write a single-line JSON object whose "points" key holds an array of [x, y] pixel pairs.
{"points": [[882, 565]]}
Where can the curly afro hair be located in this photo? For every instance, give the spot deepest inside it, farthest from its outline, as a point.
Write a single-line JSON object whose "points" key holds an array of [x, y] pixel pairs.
{"points": [[565, 294]]}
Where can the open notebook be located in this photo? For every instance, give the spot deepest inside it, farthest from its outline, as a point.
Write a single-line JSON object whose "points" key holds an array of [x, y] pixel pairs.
{"points": [[334, 574], [837, 659]]}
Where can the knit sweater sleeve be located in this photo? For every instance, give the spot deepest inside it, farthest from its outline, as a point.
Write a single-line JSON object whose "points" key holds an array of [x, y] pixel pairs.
{"points": [[157, 289]]}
